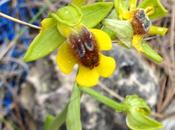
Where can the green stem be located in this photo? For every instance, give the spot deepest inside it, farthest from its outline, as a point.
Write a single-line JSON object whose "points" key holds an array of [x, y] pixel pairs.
{"points": [[119, 107]]}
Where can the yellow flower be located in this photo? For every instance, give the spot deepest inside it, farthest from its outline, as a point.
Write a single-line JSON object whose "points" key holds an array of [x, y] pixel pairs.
{"points": [[140, 21], [83, 47]]}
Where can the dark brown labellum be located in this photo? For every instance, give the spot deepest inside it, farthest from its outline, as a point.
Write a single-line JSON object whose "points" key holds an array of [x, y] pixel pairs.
{"points": [[140, 22], [84, 47]]}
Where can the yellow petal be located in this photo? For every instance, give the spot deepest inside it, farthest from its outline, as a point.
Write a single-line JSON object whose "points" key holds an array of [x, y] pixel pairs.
{"points": [[136, 42], [65, 59], [103, 40], [154, 30], [87, 77], [107, 66]]}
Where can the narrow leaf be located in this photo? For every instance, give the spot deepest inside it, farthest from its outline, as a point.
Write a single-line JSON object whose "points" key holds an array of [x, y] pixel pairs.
{"points": [[58, 120], [159, 10], [95, 13], [45, 42], [73, 121], [48, 121], [151, 54]]}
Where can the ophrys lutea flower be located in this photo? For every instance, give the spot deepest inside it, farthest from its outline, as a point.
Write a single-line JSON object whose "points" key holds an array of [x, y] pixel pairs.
{"points": [[70, 29], [136, 24], [83, 48]]}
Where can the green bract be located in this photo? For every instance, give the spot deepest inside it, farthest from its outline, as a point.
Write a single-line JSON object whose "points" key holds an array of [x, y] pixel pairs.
{"points": [[137, 114], [50, 36], [122, 29]]}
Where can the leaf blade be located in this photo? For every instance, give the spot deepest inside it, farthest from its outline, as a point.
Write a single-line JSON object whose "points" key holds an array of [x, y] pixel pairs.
{"points": [[73, 121]]}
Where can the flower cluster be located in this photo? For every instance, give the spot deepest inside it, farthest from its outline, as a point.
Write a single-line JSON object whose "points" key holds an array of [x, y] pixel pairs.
{"points": [[138, 21], [71, 29]]}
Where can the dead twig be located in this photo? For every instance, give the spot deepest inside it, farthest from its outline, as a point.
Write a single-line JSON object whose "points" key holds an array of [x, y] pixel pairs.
{"points": [[19, 21]]}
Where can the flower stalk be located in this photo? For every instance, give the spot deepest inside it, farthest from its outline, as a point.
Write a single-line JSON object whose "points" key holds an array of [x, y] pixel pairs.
{"points": [[119, 107]]}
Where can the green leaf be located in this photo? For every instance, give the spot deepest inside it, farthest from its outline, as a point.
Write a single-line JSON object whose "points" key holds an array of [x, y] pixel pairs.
{"points": [[58, 120], [122, 29], [159, 10], [151, 54], [48, 121], [78, 2], [139, 121], [95, 13], [45, 42], [73, 121]]}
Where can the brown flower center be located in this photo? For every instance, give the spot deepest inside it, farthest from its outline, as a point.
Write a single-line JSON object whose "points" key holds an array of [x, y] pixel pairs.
{"points": [[140, 22], [84, 48]]}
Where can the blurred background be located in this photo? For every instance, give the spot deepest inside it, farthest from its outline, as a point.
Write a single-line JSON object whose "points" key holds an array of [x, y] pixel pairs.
{"points": [[31, 91]]}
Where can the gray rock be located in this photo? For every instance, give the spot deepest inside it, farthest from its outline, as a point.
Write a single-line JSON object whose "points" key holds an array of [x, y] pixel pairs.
{"points": [[132, 76]]}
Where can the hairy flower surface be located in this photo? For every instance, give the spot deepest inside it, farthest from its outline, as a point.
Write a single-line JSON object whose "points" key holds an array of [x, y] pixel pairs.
{"points": [[83, 48]]}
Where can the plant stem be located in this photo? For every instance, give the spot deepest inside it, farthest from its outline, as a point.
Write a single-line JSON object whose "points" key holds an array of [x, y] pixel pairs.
{"points": [[18, 21], [119, 107]]}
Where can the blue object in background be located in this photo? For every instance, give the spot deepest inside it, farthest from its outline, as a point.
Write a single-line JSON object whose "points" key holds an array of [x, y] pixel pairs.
{"points": [[8, 31]]}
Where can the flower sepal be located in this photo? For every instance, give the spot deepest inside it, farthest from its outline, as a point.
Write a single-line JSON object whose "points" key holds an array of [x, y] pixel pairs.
{"points": [[93, 14], [150, 53], [78, 2], [70, 15], [121, 7], [159, 10], [49, 37]]}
